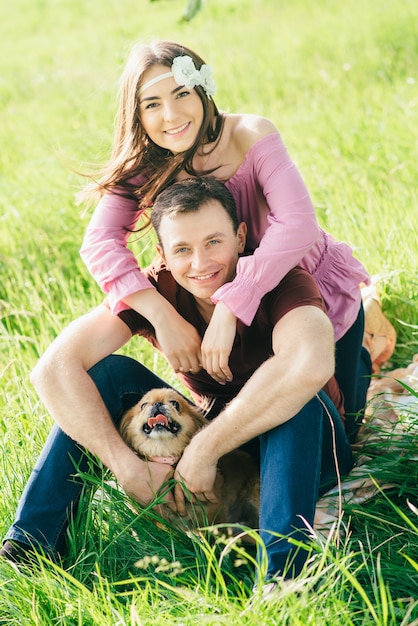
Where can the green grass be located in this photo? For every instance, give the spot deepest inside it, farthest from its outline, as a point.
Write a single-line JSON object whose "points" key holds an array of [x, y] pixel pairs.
{"points": [[340, 82]]}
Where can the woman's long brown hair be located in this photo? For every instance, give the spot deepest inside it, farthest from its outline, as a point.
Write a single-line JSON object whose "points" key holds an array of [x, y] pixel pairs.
{"points": [[133, 153]]}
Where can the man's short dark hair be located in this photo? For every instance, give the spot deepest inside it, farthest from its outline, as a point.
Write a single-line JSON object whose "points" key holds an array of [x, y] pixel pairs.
{"points": [[190, 195]]}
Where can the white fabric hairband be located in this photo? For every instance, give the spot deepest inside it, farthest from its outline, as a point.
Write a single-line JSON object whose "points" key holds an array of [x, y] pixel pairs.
{"points": [[184, 72], [155, 80]]}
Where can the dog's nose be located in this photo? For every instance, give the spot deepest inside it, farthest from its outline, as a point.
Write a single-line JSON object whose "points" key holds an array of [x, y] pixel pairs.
{"points": [[157, 408]]}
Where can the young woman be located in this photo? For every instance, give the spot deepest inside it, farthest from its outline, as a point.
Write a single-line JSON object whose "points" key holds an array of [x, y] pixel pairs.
{"points": [[168, 127]]}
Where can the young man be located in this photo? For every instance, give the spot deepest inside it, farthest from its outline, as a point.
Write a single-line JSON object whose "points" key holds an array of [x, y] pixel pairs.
{"points": [[270, 390]]}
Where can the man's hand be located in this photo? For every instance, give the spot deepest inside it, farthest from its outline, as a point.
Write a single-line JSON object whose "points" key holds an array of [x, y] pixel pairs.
{"points": [[217, 343], [196, 474], [143, 480]]}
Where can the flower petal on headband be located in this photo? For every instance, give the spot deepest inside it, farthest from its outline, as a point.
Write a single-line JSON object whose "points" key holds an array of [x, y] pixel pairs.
{"points": [[208, 83], [185, 73]]}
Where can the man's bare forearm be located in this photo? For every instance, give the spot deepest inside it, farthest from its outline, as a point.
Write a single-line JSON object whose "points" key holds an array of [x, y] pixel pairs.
{"points": [[280, 387], [68, 392]]}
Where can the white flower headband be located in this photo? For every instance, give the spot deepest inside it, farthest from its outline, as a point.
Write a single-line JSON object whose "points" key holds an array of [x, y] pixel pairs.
{"points": [[184, 72]]}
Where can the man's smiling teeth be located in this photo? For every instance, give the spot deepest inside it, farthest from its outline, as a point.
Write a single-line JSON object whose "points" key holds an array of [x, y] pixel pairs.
{"points": [[176, 130]]}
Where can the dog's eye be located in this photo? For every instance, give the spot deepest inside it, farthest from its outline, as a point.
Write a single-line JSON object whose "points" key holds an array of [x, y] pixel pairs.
{"points": [[143, 405], [175, 404]]}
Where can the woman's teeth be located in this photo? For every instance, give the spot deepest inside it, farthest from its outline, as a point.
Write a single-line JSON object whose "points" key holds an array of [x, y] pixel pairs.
{"points": [[204, 277], [176, 130]]}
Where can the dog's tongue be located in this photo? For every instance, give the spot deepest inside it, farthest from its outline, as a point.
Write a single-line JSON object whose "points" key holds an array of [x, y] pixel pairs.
{"points": [[158, 419]]}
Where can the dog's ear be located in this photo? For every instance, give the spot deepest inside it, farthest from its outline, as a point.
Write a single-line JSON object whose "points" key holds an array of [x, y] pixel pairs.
{"points": [[126, 420]]}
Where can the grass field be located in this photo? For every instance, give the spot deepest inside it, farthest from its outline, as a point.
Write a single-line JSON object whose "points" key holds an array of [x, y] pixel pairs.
{"points": [[340, 81]]}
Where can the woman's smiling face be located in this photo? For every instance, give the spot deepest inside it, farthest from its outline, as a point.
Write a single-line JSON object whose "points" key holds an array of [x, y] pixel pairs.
{"points": [[171, 115]]}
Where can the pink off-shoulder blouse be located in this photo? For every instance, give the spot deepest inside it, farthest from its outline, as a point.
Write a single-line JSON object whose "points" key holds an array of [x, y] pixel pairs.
{"points": [[282, 230]]}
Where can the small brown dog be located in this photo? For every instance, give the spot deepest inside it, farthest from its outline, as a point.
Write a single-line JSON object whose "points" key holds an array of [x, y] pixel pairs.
{"points": [[159, 428]]}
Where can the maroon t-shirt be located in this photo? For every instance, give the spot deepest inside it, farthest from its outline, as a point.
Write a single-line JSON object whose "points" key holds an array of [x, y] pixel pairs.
{"points": [[252, 344]]}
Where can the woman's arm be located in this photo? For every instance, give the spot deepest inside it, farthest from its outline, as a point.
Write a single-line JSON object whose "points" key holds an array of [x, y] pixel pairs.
{"points": [[116, 269], [292, 228], [291, 231], [105, 252]]}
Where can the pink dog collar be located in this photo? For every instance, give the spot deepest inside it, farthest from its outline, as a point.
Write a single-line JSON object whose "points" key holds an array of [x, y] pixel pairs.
{"points": [[167, 460]]}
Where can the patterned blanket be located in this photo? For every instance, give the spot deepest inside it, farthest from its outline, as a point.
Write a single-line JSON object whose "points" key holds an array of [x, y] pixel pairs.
{"points": [[391, 416]]}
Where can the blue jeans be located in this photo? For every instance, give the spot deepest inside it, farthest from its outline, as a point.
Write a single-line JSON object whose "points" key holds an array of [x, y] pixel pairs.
{"points": [[296, 464], [351, 358], [296, 467]]}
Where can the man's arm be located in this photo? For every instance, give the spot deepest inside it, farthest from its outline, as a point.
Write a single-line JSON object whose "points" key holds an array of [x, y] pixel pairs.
{"points": [[69, 394], [303, 361]]}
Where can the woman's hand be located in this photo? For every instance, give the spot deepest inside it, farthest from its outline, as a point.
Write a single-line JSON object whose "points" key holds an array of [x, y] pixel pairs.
{"points": [[180, 343], [217, 343]]}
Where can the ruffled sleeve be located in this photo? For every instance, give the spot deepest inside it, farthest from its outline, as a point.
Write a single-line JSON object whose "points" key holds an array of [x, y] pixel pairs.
{"points": [[269, 182], [105, 252]]}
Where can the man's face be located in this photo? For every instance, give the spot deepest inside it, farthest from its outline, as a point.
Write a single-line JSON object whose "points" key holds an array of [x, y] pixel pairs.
{"points": [[201, 249]]}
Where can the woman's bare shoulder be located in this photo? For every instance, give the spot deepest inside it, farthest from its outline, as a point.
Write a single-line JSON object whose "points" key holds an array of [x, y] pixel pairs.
{"points": [[246, 129]]}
